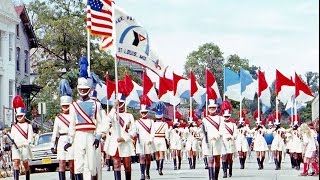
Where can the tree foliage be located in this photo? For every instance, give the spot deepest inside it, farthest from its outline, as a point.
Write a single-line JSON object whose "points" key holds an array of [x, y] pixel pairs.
{"points": [[61, 32], [208, 56]]}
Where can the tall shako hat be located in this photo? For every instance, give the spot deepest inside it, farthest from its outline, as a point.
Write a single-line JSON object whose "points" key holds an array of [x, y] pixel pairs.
{"points": [[276, 120], [212, 103], [84, 82], [159, 110], [225, 108], [144, 103], [19, 106], [270, 120], [65, 92]]}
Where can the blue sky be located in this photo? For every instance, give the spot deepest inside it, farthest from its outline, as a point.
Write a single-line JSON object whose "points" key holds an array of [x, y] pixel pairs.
{"points": [[282, 34]]}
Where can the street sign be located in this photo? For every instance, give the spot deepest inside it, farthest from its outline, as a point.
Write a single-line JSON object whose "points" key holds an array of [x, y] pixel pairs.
{"points": [[42, 108]]}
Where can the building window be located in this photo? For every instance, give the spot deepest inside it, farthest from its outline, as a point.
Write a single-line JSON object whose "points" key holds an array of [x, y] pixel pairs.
{"points": [[18, 58], [26, 61], [11, 83], [10, 47], [17, 30]]}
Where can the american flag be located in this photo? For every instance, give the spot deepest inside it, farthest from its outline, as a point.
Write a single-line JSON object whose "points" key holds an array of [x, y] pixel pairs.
{"points": [[99, 17], [106, 43]]}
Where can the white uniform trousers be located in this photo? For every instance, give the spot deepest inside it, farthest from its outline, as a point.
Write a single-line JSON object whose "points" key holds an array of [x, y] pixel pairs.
{"points": [[61, 153], [83, 146], [24, 153]]}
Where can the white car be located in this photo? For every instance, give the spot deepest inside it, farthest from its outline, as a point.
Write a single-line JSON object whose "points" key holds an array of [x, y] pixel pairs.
{"points": [[42, 155]]}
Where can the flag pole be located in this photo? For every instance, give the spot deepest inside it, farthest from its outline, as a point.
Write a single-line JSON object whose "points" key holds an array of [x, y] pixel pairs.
{"points": [[206, 93], [224, 83], [240, 97], [258, 94], [114, 34], [88, 50], [190, 114], [107, 78], [295, 111]]}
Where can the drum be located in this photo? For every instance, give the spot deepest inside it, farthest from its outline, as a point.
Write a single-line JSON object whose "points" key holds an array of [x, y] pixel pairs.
{"points": [[269, 138]]}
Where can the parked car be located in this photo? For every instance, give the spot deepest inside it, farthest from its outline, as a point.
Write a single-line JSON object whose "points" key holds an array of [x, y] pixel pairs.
{"points": [[42, 155]]}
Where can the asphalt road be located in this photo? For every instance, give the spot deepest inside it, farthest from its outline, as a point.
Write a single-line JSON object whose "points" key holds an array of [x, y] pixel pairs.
{"points": [[251, 171]]}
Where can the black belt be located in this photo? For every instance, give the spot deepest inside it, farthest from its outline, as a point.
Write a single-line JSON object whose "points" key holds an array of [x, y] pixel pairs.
{"points": [[63, 134]]}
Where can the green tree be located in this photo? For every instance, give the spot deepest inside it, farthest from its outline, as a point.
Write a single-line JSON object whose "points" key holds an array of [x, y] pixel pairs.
{"points": [[313, 81], [235, 63], [208, 56], [61, 31]]}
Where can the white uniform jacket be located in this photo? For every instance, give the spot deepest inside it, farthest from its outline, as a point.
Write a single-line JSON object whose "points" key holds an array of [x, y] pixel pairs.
{"points": [[230, 131], [124, 128], [214, 127], [22, 134], [145, 134], [60, 130], [259, 142], [241, 141], [161, 135]]}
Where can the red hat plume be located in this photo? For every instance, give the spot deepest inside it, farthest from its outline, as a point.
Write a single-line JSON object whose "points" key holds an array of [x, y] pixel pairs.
{"points": [[170, 123], [145, 100], [243, 114], [270, 118], [193, 114], [18, 102], [255, 114], [178, 115], [225, 105], [275, 115], [247, 121], [263, 122]]}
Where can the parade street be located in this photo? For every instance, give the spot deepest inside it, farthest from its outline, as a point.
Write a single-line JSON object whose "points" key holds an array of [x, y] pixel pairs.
{"points": [[250, 171]]}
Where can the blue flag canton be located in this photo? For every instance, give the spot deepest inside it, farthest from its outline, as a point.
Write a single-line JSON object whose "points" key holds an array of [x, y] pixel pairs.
{"points": [[95, 5]]}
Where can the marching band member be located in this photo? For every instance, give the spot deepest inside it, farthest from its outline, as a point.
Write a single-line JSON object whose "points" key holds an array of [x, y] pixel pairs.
{"points": [[160, 138], [297, 144], [277, 145], [21, 135], [212, 130], [269, 137], [144, 146], [229, 135], [241, 141], [121, 144], [175, 145], [85, 127], [260, 144], [192, 144], [309, 146], [60, 132]]}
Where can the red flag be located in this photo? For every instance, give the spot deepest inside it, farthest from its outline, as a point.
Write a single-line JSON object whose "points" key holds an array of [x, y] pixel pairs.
{"points": [[176, 79], [165, 85], [147, 83], [281, 80], [263, 85], [302, 91], [129, 84], [194, 87], [212, 86], [111, 87]]}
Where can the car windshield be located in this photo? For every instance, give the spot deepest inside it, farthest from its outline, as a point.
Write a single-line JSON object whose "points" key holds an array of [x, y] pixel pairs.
{"points": [[45, 138]]}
